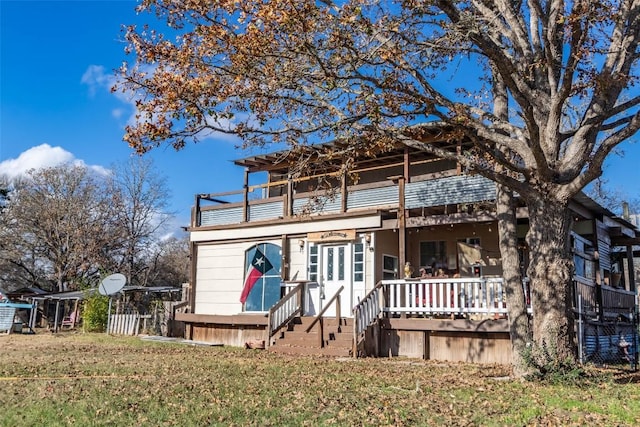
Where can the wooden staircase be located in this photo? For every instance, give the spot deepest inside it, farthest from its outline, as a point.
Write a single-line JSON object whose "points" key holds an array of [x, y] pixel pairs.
{"points": [[293, 339]]}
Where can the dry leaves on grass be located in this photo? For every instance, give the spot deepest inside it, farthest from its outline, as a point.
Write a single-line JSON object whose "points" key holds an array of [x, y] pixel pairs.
{"points": [[75, 378]]}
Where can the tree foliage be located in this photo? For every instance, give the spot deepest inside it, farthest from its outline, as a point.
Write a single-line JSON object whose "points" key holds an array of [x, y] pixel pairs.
{"points": [[373, 73], [141, 215], [63, 227]]}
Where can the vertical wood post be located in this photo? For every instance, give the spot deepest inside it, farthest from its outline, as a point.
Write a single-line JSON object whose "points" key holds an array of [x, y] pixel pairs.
{"points": [[343, 190], [195, 213], [245, 196], [284, 272], [321, 332], [402, 224], [631, 269], [289, 198], [407, 164]]}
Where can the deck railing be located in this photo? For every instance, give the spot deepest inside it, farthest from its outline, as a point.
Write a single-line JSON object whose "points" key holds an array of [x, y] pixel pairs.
{"points": [[484, 296], [285, 310], [445, 296], [365, 313], [616, 301], [367, 310], [319, 319], [235, 206]]}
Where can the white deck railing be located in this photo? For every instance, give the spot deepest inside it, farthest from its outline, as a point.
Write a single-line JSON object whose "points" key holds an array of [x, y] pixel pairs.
{"points": [[367, 311], [285, 309], [483, 296]]}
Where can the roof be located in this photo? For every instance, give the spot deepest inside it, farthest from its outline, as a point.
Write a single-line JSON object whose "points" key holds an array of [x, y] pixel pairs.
{"points": [[282, 160], [70, 295], [158, 289], [79, 295]]}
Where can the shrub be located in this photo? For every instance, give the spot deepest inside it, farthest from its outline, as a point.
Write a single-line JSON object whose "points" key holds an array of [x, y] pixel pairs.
{"points": [[95, 313]]}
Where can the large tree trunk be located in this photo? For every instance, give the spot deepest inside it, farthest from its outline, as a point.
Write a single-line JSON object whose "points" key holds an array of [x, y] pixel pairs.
{"points": [[519, 326], [550, 271]]}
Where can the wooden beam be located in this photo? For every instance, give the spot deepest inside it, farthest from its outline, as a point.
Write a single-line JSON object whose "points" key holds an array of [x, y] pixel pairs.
{"points": [[284, 271], [407, 163], [446, 325], [237, 319], [345, 193], [631, 268], [245, 196]]}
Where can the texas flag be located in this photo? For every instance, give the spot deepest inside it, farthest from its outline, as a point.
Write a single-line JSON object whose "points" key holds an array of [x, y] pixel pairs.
{"points": [[258, 267]]}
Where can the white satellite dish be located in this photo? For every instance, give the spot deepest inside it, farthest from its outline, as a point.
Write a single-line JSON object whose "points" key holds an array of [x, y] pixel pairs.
{"points": [[112, 284]]}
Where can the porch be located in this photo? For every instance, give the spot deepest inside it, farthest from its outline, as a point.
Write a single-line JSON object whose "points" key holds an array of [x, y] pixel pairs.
{"points": [[453, 319]]}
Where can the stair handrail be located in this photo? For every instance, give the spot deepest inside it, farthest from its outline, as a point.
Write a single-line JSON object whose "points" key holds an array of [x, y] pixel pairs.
{"points": [[365, 314], [285, 309], [318, 318]]}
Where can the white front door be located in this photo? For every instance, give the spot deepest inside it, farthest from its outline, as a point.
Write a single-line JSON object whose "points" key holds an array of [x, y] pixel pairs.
{"points": [[336, 271]]}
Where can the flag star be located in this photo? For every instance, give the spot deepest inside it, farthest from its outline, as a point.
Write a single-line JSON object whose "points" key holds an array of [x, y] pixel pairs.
{"points": [[259, 261]]}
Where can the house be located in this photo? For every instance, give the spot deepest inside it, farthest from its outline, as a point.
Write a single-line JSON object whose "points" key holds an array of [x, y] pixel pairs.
{"points": [[344, 268]]}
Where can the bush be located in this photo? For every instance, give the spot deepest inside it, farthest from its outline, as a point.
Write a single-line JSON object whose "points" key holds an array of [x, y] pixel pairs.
{"points": [[95, 313]]}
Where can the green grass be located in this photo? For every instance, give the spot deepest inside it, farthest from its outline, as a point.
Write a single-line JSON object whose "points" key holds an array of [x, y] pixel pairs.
{"points": [[99, 380]]}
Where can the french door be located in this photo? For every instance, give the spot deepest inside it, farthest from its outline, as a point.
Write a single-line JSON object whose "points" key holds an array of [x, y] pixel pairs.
{"points": [[336, 271]]}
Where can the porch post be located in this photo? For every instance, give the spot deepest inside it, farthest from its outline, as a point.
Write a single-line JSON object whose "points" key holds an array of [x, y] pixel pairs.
{"points": [[407, 164], [402, 224], [245, 196], [289, 199], [195, 214], [284, 272], [631, 268], [402, 221], [343, 190], [55, 322]]}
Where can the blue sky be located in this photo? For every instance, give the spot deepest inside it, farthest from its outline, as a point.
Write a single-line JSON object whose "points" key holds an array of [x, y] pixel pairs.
{"points": [[57, 60], [56, 67]]}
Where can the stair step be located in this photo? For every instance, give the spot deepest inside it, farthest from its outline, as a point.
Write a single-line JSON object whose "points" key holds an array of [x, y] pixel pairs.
{"points": [[328, 321], [307, 351], [294, 339]]}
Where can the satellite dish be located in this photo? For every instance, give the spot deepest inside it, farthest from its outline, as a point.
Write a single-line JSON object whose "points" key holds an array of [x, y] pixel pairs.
{"points": [[112, 284]]}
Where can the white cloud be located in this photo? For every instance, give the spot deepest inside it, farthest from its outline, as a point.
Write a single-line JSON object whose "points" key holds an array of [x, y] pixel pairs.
{"points": [[40, 157], [96, 79], [117, 113]]}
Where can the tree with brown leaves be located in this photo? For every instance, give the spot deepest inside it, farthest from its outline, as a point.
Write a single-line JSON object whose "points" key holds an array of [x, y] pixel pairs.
{"points": [[377, 72]]}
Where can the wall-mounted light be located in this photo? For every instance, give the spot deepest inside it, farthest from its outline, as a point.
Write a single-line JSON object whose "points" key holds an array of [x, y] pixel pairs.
{"points": [[301, 245], [367, 239]]}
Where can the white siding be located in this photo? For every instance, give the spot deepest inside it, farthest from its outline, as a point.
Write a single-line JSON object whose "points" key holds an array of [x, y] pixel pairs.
{"points": [[298, 260], [220, 277]]}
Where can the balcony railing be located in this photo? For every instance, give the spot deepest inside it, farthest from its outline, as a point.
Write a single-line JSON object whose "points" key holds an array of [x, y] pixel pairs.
{"points": [[228, 209]]}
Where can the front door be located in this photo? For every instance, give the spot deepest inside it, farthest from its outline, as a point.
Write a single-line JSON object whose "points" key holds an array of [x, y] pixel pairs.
{"points": [[336, 271]]}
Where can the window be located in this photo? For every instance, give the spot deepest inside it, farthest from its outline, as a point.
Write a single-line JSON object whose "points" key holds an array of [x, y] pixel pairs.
{"points": [[313, 263], [583, 252], [389, 267], [434, 254], [358, 262], [266, 289], [471, 241]]}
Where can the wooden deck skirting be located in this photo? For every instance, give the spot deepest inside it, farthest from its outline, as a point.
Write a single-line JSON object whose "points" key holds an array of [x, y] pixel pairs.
{"points": [[258, 319], [446, 325]]}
